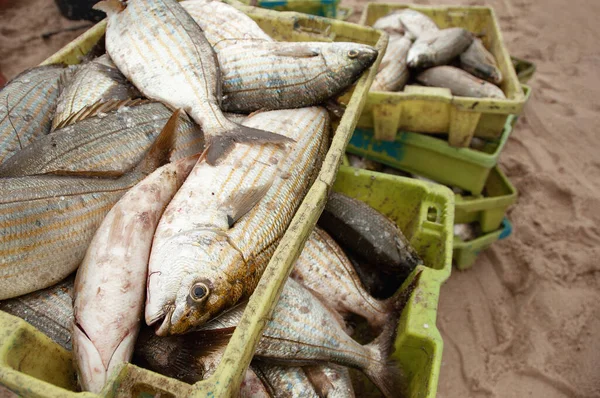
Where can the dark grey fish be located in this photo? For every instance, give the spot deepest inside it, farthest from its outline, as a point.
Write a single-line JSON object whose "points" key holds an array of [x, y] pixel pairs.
{"points": [[479, 62]]}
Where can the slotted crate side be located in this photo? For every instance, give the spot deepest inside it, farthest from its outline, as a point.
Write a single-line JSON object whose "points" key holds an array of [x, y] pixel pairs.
{"points": [[465, 253]]}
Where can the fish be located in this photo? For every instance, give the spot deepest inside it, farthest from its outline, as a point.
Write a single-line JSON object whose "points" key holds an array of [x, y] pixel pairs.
{"points": [[280, 75], [369, 235], [460, 83], [363, 163], [27, 104], [303, 331], [390, 24], [159, 47], [479, 62], [330, 381], [284, 381], [111, 280], [95, 82], [105, 144], [47, 222], [49, 310], [465, 232], [438, 47], [224, 25], [326, 271], [215, 267], [393, 73], [416, 23]]}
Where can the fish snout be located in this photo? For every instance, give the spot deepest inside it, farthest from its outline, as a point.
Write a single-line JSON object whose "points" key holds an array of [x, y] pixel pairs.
{"points": [[161, 320], [367, 55]]}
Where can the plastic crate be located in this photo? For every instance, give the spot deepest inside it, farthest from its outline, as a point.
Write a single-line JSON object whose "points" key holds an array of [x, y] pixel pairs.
{"points": [[488, 210], [434, 110], [425, 214], [465, 253], [323, 8], [434, 158], [34, 366], [524, 69]]}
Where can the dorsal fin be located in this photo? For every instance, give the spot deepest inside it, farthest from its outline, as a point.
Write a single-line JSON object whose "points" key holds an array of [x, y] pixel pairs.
{"points": [[100, 107]]}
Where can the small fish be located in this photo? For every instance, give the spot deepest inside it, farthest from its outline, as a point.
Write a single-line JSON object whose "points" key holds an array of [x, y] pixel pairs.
{"points": [[330, 381], [47, 222], [391, 24], [27, 104], [479, 62], [324, 269], [369, 234], [49, 310], [393, 72], [438, 47], [416, 23], [159, 47], [303, 331], [94, 82], [284, 381], [204, 259], [105, 144], [111, 281], [459, 82]]}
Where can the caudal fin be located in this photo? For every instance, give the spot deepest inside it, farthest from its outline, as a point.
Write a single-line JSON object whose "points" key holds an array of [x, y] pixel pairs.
{"points": [[384, 371], [222, 144]]}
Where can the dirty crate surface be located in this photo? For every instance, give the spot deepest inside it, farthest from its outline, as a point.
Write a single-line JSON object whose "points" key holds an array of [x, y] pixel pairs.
{"points": [[465, 253], [324, 8], [434, 110], [33, 366], [425, 214]]}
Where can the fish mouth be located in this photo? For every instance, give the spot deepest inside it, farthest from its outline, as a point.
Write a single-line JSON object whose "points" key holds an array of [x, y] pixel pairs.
{"points": [[367, 56], [161, 321]]}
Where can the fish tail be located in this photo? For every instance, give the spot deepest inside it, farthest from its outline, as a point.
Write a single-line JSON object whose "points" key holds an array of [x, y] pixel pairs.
{"points": [[160, 151], [382, 370]]}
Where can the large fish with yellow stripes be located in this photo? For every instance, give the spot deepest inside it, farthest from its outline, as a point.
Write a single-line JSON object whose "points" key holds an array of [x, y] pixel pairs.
{"points": [[159, 47], [204, 259]]}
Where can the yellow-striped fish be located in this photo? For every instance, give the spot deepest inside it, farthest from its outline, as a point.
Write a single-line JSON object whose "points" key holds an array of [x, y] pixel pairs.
{"points": [[203, 261], [393, 74], [284, 381], [161, 49]]}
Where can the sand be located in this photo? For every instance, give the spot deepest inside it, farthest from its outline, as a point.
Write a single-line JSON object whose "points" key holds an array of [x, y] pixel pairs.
{"points": [[525, 320]]}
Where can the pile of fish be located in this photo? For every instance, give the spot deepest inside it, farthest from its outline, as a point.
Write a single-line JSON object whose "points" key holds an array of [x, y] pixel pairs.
{"points": [[451, 58], [131, 197]]}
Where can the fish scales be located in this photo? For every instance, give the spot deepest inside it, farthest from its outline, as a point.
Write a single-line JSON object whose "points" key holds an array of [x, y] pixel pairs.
{"points": [[27, 104], [284, 381], [393, 71], [330, 381]]}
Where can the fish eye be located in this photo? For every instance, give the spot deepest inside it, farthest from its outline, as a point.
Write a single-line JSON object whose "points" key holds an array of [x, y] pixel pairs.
{"points": [[199, 292], [352, 54]]}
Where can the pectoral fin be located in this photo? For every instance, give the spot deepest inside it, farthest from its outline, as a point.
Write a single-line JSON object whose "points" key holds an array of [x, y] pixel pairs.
{"points": [[244, 201], [298, 52]]}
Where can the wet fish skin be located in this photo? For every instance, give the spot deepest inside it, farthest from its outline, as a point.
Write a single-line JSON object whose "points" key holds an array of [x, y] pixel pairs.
{"points": [[94, 82], [227, 264], [438, 47], [111, 144], [326, 271], [31, 98], [50, 310], [390, 24], [416, 23], [158, 46], [330, 381], [368, 234], [47, 222], [284, 381], [110, 283], [479, 62], [393, 71], [281, 75], [459, 82]]}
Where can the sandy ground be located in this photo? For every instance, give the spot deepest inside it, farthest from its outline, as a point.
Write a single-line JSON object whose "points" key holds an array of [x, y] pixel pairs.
{"points": [[525, 320]]}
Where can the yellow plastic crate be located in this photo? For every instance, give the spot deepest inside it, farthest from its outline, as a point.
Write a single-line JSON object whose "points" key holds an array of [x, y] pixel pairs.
{"points": [[434, 110], [33, 366]]}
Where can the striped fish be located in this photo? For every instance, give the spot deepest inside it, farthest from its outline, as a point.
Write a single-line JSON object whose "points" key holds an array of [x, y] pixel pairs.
{"points": [[47, 222], [393, 71], [95, 82], [280, 75], [49, 310], [326, 271], [303, 331], [27, 105], [163, 52], [198, 267], [108, 144], [284, 381], [330, 381]]}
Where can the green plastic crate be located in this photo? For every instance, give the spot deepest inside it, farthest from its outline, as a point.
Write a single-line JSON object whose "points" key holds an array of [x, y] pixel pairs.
{"points": [[435, 110], [465, 253], [323, 8], [525, 69], [488, 210], [425, 214]]}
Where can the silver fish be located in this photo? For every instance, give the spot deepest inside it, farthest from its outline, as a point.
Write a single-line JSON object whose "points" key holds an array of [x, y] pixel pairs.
{"points": [[459, 82], [391, 24], [164, 53], [465, 232], [330, 381], [479, 62], [438, 47], [284, 381], [416, 23], [393, 74]]}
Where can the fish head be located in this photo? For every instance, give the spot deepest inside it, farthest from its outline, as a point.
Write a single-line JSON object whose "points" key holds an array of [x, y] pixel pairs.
{"points": [[346, 62], [193, 286]]}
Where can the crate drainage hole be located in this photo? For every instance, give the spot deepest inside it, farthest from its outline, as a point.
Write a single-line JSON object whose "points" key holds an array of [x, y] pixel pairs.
{"points": [[432, 214]]}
